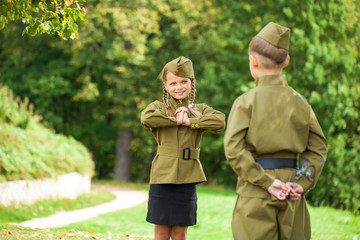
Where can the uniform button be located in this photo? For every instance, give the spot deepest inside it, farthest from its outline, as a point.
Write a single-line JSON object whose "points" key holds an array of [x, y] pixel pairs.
{"points": [[196, 125], [192, 125]]}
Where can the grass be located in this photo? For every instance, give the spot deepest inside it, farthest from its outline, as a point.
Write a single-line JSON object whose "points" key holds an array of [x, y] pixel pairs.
{"points": [[215, 207], [48, 207]]}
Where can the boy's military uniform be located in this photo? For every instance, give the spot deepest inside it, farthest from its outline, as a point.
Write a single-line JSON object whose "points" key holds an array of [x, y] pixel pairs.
{"points": [[268, 127]]}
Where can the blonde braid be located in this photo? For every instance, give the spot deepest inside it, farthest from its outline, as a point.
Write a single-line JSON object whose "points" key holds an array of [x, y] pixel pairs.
{"points": [[196, 113], [166, 102]]}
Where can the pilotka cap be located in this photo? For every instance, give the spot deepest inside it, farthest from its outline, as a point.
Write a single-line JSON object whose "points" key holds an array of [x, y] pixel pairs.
{"points": [[275, 34], [181, 67]]}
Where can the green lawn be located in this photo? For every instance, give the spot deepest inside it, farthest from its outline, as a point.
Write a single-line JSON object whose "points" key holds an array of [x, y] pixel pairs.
{"points": [[215, 207], [48, 207], [214, 220]]}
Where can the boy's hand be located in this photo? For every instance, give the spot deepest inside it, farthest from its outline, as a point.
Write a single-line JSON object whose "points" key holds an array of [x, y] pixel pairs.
{"points": [[296, 190], [279, 189]]}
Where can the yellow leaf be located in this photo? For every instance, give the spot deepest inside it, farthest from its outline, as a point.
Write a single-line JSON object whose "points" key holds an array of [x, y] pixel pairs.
{"points": [[64, 22], [41, 6], [69, 2]]}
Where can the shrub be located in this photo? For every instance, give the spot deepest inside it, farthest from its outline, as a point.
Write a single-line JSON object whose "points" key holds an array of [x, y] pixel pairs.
{"points": [[28, 150]]}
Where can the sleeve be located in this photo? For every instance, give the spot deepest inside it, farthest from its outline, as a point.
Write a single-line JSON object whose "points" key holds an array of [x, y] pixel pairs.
{"points": [[154, 116], [239, 158], [315, 154], [211, 120]]}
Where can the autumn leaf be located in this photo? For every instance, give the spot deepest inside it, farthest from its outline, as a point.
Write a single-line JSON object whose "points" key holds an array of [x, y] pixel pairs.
{"points": [[69, 2], [61, 234], [10, 233]]}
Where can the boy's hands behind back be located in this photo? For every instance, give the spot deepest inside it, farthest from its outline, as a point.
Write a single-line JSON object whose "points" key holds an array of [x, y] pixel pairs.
{"points": [[282, 190]]}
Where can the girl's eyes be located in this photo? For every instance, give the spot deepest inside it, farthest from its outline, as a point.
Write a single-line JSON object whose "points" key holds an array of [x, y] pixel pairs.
{"points": [[182, 82]]}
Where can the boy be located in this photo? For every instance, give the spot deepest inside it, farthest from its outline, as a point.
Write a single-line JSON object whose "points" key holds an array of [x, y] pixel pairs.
{"points": [[268, 127]]}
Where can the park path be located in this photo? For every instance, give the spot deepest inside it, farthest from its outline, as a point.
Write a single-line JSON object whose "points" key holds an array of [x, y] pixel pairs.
{"points": [[125, 198]]}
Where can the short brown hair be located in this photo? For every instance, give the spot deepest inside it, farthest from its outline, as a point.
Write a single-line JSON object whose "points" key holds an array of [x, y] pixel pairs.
{"points": [[270, 55]]}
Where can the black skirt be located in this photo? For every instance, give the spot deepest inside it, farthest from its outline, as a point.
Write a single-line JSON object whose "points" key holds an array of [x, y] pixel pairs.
{"points": [[172, 204]]}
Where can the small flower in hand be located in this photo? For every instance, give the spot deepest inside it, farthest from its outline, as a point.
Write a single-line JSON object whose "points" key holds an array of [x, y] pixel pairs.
{"points": [[303, 171]]}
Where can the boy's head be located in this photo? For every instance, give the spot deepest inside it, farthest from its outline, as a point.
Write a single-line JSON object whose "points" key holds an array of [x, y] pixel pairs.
{"points": [[271, 46]]}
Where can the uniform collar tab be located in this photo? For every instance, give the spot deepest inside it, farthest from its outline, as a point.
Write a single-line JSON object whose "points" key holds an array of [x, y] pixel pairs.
{"points": [[268, 80], [178, 103]]}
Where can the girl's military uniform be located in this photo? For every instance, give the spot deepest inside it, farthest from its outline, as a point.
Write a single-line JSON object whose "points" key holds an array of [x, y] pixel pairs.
{"points": [[177, 159]]}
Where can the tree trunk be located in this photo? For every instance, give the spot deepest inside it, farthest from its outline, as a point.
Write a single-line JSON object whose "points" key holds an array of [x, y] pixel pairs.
{"points": [[123, 156]]}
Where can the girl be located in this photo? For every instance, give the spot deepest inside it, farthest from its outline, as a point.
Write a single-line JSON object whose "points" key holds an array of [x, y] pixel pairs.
{"points": [[177, 125]]}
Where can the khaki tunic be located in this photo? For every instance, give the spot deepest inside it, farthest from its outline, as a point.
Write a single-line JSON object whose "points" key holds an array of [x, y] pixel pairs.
{"points": [[168, 166], [272, 120]]}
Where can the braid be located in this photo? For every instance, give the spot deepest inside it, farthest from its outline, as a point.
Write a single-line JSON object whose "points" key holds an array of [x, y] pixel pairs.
{"points": [[196, 113], [166, 102], [193, 90]]}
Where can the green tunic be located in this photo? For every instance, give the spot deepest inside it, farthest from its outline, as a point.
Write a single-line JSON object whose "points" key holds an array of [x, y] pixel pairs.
{"points": [[272, 120], [168, 166]]}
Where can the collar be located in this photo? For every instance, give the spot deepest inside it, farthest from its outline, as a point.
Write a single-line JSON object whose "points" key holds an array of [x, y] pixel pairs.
{"points": [[179, 103], [269, 80]]}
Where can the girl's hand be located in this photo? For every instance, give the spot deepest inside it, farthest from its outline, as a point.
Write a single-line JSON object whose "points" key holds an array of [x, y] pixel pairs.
{"points": [[181, 109], [182, 116], [186, 120], [179, 117]]}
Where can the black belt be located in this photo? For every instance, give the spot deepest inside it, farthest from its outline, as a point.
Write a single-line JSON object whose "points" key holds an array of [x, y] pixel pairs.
{"points": [[269, 163]]}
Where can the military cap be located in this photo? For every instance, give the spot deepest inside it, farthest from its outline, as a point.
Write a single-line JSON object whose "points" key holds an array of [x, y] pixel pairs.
{"points": [[181, 67], [275, 34]]}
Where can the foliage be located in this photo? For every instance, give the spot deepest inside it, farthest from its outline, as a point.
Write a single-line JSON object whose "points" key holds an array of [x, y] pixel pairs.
{"points": [[35, 152], [93, 87], [16, 112], [40, 16]]}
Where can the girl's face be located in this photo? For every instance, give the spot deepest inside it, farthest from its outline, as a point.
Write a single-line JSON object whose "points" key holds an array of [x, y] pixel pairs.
{"points": [[178, 87]]}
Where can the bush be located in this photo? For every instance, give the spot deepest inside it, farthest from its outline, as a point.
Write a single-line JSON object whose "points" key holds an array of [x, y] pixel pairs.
{"points": [[28, 150]]}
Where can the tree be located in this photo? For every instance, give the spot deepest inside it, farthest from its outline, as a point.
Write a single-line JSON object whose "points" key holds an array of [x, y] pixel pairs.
{"points": [[44, 16], [94, 88]]}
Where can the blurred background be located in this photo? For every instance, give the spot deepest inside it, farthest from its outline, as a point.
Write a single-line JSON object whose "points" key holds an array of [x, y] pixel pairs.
{"points": [[94, 88]]}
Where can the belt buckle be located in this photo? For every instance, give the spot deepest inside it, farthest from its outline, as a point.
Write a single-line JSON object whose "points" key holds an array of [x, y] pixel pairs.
{"points": [[188, 153]]}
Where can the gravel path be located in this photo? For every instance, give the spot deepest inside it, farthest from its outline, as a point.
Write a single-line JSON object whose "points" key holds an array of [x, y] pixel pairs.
{"points": [[125, 198]]}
